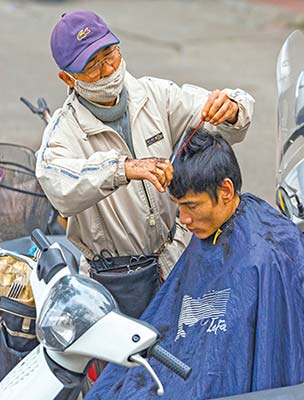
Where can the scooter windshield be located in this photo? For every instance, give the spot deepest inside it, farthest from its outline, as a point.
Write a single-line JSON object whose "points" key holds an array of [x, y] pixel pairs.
{"points": [[290, 155], [74, 304]]}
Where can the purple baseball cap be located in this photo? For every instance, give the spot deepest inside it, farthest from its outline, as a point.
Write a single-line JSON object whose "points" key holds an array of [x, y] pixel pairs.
{"points": [[76, 37]]}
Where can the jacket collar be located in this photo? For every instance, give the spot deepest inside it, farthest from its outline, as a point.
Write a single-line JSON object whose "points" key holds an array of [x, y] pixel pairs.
{"points": [[136, 93], [90, 124]]}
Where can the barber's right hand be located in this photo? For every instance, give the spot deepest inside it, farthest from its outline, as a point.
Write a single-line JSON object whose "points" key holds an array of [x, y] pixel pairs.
{"points": [[158, 171]]}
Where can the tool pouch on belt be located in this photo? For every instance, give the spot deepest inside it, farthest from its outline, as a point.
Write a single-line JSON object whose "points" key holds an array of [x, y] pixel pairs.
{"points": [[17, 311], [132, 280]]}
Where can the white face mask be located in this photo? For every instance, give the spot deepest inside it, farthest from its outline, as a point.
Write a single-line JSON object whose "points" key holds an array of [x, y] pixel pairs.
{"points": [[105, 89]]}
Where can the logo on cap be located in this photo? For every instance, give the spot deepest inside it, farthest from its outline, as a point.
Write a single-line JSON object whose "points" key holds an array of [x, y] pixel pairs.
{"points": [[83, 33]]}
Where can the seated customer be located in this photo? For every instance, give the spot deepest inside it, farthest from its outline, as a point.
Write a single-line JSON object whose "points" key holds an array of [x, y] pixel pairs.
{"points": [[233, 307]]}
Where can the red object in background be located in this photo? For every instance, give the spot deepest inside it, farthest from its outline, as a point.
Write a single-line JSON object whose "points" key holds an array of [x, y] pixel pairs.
{"points": [[293, 5], [92, 373]]}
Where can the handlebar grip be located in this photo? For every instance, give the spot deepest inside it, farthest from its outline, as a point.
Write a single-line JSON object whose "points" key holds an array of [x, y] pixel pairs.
{"points": [[40, 240], [42, 104], [170, 361]]}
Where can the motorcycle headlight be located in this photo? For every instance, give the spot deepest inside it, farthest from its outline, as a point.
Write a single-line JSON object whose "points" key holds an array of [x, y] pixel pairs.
{"points": [[74, 304]]}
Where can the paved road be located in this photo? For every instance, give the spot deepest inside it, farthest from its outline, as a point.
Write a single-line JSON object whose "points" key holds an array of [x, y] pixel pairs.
{"points": [[212, 43]]}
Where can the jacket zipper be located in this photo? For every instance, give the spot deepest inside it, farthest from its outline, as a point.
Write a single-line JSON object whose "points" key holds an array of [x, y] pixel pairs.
{"points": [[151, 218]]}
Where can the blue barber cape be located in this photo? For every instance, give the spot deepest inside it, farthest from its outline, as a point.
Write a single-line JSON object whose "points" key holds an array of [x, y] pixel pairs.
{"points": [[233, 311]]}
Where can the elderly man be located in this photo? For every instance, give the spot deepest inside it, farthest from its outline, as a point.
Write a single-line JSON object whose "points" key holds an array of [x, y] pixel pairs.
{"points": [[233, 306], [104, 162]]}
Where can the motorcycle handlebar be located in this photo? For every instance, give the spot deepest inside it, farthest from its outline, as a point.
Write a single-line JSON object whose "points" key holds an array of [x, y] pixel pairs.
{"points": [[42, 104], [42, 110], [170, 361], [29, 105], [40, 240]]}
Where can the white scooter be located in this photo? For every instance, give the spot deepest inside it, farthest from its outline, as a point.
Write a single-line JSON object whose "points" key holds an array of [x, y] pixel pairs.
{"points": [[77, 321]]}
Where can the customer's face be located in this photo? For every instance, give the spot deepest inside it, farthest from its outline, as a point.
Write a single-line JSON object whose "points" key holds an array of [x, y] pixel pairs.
{"points": [[202, 214]]}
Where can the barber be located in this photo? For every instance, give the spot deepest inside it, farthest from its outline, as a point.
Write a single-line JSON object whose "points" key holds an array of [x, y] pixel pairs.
{"points": [[103, 162]]}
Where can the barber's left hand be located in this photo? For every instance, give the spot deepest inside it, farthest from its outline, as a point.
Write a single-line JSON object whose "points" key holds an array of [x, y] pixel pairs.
{"points": [[158, 171], [220, 108]]}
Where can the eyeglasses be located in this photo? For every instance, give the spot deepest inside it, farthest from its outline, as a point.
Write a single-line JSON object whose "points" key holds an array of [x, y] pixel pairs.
{"points": [[95, 71]]}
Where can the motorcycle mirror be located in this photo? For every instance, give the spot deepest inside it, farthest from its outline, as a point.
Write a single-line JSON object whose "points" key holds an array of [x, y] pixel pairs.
{"points": [[299, 105], [283, 201]]}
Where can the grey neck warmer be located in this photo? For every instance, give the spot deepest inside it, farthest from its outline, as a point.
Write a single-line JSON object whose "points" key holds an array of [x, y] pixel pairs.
{"points": [[107, 114]]}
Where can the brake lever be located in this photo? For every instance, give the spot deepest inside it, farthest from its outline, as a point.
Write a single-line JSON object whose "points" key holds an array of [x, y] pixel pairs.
{"points": [[144, 363]]}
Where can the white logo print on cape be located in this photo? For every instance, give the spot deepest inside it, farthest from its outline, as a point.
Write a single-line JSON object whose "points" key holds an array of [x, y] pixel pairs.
{"points": [[212, 306]]}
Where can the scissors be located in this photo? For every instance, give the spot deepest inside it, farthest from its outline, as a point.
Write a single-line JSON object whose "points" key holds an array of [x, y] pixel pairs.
{"points": [[103, 260]]}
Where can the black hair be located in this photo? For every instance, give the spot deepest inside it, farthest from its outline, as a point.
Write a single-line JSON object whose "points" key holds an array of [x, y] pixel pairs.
{"points": [[203, 164]]}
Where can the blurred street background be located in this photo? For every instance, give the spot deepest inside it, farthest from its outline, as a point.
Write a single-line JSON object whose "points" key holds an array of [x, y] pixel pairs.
{"points": [[210, 43]]}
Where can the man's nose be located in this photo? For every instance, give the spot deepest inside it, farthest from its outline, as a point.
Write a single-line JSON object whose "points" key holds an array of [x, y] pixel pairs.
{"points": [[110, 68], [184, 217]]}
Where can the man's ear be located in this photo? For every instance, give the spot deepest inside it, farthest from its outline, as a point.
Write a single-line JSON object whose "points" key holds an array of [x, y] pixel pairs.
{"points": [[66, 79], [226, 190]]}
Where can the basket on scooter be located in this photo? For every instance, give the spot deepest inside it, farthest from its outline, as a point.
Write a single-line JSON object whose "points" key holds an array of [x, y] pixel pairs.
{"points": [[23, 205]]}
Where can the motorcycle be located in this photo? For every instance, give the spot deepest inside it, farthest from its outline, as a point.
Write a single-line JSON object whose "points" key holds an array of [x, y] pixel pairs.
{"points": [[24, 207], [78, 321], [290, 155]]}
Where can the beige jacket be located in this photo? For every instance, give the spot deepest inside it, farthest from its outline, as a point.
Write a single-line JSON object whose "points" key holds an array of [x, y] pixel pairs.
{"points": [[80, 166]]}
